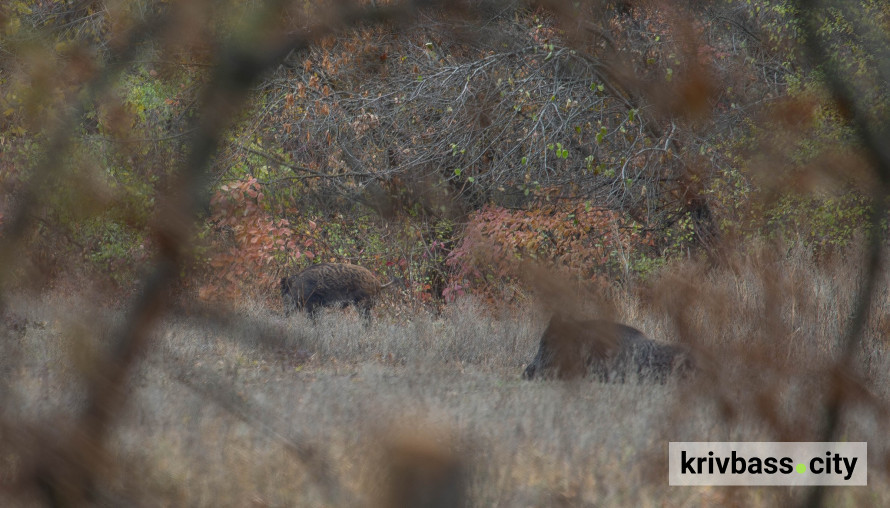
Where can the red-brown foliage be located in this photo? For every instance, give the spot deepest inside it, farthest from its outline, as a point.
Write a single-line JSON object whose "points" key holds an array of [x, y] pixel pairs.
{"points": [[587, 241], [243, 256]]}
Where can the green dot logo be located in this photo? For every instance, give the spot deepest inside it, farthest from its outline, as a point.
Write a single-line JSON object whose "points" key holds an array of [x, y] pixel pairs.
{"points": [[801, 468]]}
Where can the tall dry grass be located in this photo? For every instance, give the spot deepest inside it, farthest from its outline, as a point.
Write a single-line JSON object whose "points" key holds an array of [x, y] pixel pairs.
{"points": [[242, 407]]}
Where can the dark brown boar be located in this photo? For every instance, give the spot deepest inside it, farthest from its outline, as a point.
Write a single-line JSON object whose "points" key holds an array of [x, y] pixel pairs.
{"points": [[330, 284], [571, 348]]}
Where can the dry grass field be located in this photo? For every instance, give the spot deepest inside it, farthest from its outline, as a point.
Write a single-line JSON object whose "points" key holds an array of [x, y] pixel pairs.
{"points": [[247, 408]]}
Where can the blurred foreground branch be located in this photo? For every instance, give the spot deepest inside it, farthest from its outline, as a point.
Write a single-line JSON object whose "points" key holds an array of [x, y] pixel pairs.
{"points": [[238, 66], [872, 133]]}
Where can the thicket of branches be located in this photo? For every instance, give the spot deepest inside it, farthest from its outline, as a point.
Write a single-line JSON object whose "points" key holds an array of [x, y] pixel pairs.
{"points": [[696, 121]]}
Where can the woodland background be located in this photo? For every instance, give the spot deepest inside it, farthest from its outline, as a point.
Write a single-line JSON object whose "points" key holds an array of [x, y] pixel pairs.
{"points": [[713, 172]]}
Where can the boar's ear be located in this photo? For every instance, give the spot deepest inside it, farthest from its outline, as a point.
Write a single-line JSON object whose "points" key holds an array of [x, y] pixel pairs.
{"points": [[284, 283]]}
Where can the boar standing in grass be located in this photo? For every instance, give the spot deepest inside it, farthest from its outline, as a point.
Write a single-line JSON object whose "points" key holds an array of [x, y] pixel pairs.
{"points": [[573, 348], [330, 284]]}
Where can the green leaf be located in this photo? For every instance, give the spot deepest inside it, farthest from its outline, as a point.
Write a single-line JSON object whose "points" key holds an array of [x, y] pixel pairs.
{"points": [[601, 134]]}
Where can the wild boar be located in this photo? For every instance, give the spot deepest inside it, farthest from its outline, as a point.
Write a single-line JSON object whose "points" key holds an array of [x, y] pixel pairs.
{"points": [[330, 284], [571, 348]]}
